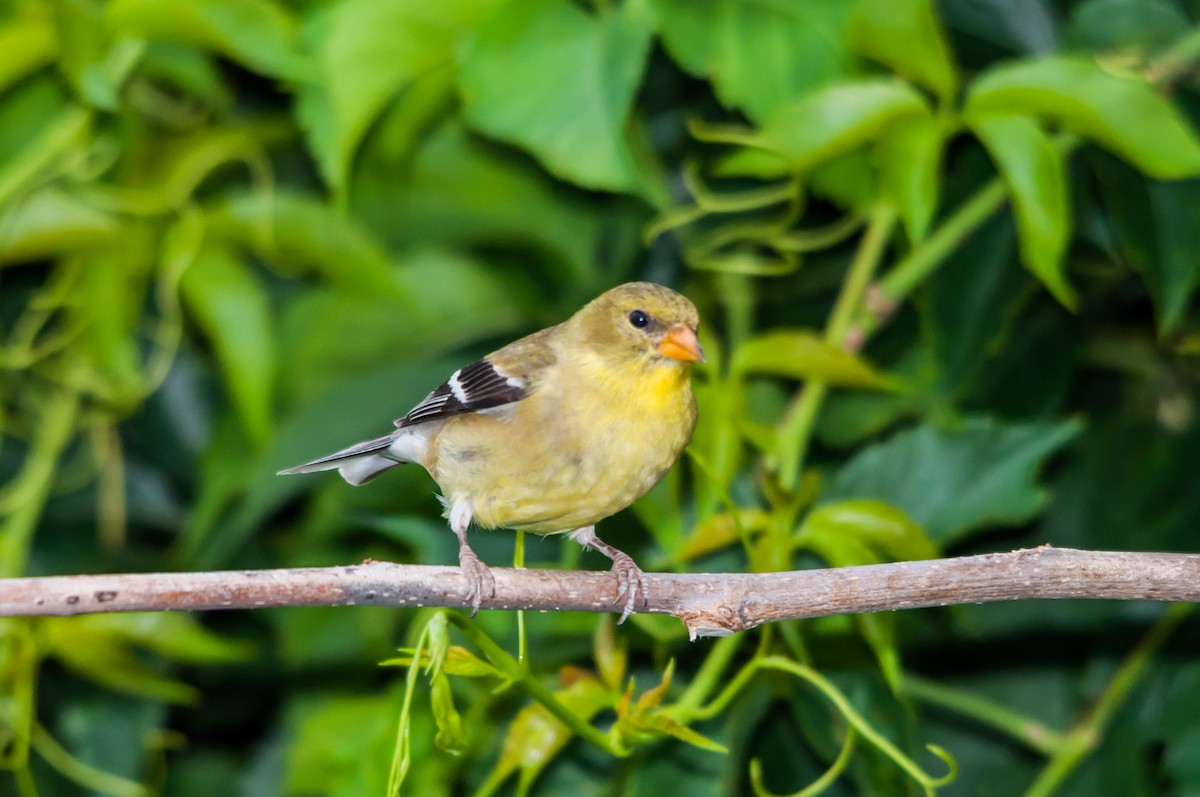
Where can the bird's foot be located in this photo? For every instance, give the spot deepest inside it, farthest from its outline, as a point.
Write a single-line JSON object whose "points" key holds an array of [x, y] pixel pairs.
{"points": [[631, 583], [480, 581]]}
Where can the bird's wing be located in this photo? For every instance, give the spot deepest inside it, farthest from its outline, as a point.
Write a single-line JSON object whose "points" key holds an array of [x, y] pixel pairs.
{"points": [[503, 377]]}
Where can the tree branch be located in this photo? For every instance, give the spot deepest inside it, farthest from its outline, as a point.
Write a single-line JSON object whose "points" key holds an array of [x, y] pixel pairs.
{"points": [[709, 604]]}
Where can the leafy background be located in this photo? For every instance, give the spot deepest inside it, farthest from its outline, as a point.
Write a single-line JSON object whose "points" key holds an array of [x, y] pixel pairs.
{"points": [[236, 234]]}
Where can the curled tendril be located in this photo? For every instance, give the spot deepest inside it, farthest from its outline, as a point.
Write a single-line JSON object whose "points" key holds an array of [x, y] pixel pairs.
{"points": [[870, 735], [817, 786]]}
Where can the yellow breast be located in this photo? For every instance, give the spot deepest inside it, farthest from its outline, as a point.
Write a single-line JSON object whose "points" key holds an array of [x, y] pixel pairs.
{"points": [[584, 446]]}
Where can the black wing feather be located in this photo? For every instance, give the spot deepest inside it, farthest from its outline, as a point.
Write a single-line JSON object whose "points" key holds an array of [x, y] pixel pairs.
{"points": [[478, 386]]}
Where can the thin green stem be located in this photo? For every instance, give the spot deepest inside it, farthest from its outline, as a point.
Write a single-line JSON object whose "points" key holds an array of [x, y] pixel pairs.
{"points": [[708, 676], [1082, 739], [519, 564], [1033, 734], [819, 785], [24, 499], [81, 773], [531, 686], [801, 418], [860, 724]]}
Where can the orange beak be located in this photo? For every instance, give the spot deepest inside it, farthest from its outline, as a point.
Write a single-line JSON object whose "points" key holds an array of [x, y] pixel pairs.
{"points": [[681, 344]]}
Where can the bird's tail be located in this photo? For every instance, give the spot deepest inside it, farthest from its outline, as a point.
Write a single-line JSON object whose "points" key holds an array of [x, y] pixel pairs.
{"points": [[357, 464]]}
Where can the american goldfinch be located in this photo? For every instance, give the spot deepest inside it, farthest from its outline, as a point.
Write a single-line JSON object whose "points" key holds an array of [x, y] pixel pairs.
{"points": [[555, 431]]}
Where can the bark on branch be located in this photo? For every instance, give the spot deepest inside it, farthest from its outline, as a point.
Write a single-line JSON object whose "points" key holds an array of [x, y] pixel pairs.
{"points": [[709, 604]]}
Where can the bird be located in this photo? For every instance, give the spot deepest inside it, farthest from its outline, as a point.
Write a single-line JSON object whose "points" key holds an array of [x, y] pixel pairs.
{"points": [[555, 431]]}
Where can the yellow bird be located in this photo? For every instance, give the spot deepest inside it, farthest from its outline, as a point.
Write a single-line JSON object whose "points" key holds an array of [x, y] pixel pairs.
{"points": [[555, 431]]}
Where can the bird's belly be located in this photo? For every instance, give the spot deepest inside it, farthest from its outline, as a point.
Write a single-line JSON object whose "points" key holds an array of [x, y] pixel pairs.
{"points": [[546, 483]]}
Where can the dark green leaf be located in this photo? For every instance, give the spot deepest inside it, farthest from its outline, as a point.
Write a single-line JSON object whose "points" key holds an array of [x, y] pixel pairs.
{"points": [[954, 482], [1120, 113], [548, 76], [1153, 231], [1034, 170], [1108, 25]]}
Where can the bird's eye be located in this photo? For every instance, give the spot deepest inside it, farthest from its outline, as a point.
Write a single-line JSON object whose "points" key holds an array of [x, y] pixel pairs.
{"points": [[639, 319]]}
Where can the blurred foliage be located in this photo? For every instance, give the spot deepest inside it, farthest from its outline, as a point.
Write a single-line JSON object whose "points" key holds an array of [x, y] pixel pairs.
{"points": [[947, 257]]}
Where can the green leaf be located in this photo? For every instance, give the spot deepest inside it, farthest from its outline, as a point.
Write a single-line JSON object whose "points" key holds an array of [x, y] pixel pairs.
{"points": [[451, 735], [52, 222], [450, 286], [369, 51], [1110, 25], [803, 354], [1036, 175], [179, 637], [259, 34], [1154, 231], [758, 55], [230, 305], [559, 82], [341, 746], [881, 526], [458, 189], [299, 231], [536, 736], [954, 482], [910, 159], [105, 656], [28, 42], [1122, 114], [836, 120], [906, 37]]}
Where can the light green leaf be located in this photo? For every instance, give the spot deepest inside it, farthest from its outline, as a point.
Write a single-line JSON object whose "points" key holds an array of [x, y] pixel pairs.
{"points": [[836, 120], [906, 37], [451, 736], [179, 637], [368, 51], [299, 231], [259, 34], [461, 190], [879, 525], [28, 43], [803, 354], [230, 305], [104, 656], [910, 159], [1036, 175], [50, 223], [758, 55], [559, 82], [1120, 113], [954, 482]]}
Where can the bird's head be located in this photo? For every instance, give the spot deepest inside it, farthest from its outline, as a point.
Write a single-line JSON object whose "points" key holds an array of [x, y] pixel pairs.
{"points": [[645, 319]]}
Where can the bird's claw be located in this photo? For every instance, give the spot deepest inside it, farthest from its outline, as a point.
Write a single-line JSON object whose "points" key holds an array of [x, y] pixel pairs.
{"points": [[480, 581], [631, 583]]}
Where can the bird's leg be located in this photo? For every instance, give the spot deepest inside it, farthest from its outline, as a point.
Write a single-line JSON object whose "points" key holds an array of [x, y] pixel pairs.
{"points": [[631, 581], [480, 581]]}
